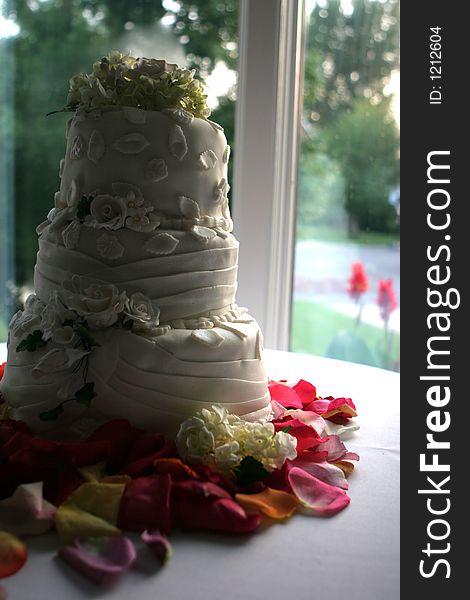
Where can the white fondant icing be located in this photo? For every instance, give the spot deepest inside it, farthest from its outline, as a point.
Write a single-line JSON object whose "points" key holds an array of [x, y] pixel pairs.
{"points": [[181, 116], [134, 115]]}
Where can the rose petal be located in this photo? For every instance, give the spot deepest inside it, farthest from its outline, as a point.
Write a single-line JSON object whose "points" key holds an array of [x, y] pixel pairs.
{"points": [[103, 564], [72, 522], [13, 554], [26, 512], [341, 406], [159, 543], [306, 436], [205, 505], [174, 467], [326, 472], [346, 466], [146, 504], [273, 503], [323, 499], [285, 395], [335, 449], [305, 391]]}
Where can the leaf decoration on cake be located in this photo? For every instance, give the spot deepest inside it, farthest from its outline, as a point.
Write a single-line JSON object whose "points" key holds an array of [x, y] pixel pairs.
{"points": [[71, 234], [226, 154], [161, 244], [220, 190], [208, 337], [77, 147], [109, 246], [177, 142], [31, 342], [203, 233], [189, 208], [131, 143], [61, 167], [157, 170], [134, 115], [207, 159], [96, 146], [74, 193], [180, 115]]}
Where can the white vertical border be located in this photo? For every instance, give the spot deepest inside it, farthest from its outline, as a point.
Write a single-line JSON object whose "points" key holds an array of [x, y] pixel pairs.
{"points": [[266, 153]]}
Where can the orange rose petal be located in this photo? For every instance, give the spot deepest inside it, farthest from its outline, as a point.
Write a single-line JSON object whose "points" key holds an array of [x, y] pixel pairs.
{"points": [[346, 466], [175, 467], [273, 503], [344, 409], [13, 554]]}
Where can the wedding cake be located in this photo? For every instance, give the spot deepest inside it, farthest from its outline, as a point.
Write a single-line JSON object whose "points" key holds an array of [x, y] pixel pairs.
{"points": [[134, 313]]}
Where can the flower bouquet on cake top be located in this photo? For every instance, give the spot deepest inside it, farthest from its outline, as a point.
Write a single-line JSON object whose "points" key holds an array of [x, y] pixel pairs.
{"points": [[135, 399]]}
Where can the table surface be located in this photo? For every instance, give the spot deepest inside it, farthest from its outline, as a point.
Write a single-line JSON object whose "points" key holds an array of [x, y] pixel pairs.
{"points": [[353, 555]]}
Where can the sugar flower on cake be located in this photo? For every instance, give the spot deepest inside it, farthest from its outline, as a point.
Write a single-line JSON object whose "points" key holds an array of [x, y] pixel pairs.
{"points": [[29, 319], [56, 360], [97, 302], [107, 212], [141, 314], [222, 441], [54, 314]]}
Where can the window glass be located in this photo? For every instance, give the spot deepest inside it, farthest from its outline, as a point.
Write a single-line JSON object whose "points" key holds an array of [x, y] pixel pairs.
{"points": [[346, 290], [44, 42]]}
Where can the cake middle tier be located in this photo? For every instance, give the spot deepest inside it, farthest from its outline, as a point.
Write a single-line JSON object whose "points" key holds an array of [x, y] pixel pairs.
{"points": [[184, 277]]}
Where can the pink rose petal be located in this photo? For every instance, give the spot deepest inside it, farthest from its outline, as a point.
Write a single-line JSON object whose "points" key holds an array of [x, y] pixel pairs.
{"points": [[323, 499], [159, 543], [103, 564], [326, 472]]}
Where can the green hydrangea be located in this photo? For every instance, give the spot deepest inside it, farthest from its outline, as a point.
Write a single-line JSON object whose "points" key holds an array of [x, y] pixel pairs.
{"points": [[122, 80]]}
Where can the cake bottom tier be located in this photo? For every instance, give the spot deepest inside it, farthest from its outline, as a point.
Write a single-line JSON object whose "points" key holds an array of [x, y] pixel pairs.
{"points": [[155, 384]]}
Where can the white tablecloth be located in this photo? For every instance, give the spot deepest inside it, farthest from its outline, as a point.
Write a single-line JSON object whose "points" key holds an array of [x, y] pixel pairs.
{"points": [[352, 556]]}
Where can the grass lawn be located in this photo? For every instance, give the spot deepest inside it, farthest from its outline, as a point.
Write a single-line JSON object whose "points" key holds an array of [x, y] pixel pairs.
{"points": [[332, 234], [314, 327]]}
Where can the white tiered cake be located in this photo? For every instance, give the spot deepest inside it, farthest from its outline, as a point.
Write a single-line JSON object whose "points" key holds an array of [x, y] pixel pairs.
{"points": [[134, 312]]}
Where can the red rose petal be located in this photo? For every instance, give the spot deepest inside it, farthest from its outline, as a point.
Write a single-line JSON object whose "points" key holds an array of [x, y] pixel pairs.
{"points": [[285, 395], [305, 391], [323, 499], [114, 557], [146, 504], [326, 472], [205, 505]]}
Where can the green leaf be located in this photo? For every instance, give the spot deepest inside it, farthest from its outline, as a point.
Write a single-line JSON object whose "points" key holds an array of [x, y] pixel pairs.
{"points": [[83, 206], [85, 336], [286, 429], [249, 471], [53, 414], [85, 394], [32, 342]]}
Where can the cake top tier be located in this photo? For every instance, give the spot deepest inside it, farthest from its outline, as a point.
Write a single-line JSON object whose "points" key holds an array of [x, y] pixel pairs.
{"points": [[122, 80]]}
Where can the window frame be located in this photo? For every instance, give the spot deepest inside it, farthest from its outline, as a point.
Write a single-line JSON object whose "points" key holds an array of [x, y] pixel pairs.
{"points": [[267, 139]]}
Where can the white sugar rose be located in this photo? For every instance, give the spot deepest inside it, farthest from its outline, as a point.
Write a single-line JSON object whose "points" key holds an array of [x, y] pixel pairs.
{"points": [[65, 336], [98, 302], [143, 313], [107, 212]]}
